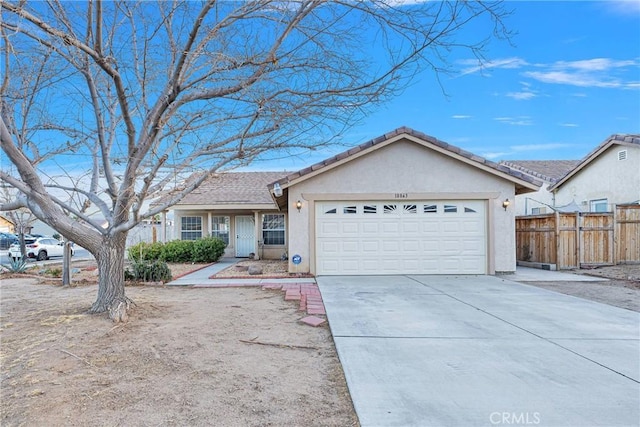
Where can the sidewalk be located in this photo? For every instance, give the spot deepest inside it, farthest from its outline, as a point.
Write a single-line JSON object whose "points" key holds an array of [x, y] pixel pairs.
{"points": [[200, 278]]}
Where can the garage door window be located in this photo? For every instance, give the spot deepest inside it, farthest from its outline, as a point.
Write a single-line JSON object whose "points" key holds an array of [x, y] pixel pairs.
{"points": [[430, 208], [389, 209], [450, 209], [350, 210], [370, 209], [468, 210], [273, 229], [411, 209]]}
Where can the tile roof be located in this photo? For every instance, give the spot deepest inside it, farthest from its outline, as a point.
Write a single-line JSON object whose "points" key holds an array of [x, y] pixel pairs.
{"points": [[615, 139], [427, 138], [548, 170], [234, 188]]}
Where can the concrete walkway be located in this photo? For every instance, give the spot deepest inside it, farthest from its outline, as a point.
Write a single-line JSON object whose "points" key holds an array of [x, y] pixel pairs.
{"points": [[201, 278], [482, 350]]}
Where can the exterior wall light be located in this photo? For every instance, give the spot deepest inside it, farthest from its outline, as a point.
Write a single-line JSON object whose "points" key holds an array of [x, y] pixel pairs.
{"points": [[506, 204], [277, 190], [298, 205]]}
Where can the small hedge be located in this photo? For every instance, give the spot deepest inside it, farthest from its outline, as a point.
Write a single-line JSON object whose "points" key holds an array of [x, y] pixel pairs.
{"points": [[149, 271], [209, 249]]}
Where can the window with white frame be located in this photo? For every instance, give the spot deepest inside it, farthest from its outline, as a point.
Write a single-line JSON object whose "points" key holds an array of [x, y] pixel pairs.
{"points": [[220, 228], [273, 229], [598, 205], [191, 227], [538, 211]]}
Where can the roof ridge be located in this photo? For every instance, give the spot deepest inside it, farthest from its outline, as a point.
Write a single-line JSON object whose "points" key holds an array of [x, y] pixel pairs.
{"points": [[416, 134]]}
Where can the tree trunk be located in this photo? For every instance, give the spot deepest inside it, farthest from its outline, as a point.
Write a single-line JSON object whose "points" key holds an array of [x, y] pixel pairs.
{"points": [[111, 297], [66, 264]]}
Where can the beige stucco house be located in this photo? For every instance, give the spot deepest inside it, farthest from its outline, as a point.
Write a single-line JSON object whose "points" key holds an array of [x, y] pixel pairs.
{"points": [[404, 202], [608, 176], [6, 225], [547, 171]]}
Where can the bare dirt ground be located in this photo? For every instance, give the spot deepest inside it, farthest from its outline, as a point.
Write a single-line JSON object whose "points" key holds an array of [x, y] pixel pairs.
{"points": [[270, 268], [228, 357], [621, 290]]}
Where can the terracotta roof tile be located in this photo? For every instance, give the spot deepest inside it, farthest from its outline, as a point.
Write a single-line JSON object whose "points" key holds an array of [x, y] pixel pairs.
{"points": [[549, 170], [406, 130]]}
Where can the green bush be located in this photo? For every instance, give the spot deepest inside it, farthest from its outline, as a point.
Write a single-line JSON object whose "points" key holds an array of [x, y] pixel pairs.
{"points": [[146, 251], [178, 251], [149, 271], [209, 249]]}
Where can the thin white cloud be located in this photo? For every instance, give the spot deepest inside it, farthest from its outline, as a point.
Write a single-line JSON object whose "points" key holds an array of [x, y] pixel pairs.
{"points": [[568, 125], [539, 147], [522, 96], [460, 116], [515, 121], [494, 155], [471, 66], [596, 72], [623, 7], [591, 72]]}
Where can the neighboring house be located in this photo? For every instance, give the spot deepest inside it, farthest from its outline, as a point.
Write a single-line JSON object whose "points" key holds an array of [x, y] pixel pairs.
{"points": [[547, 171], [608, 176], [6, 225], [404, 202]]}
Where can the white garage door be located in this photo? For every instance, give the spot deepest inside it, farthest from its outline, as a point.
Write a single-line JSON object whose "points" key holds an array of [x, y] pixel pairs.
{"points": [[401, 237]]}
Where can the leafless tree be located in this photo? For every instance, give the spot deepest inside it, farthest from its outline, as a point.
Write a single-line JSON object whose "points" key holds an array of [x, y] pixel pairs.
{"points": [[106, 105]]}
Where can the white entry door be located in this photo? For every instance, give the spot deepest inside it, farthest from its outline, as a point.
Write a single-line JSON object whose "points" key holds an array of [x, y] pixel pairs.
{"points": [[401, 237], [245, 236]]}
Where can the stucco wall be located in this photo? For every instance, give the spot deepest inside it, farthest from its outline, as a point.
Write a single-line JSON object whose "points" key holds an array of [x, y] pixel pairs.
{"points": [[540, 199], [421, 173], [606, 177]]}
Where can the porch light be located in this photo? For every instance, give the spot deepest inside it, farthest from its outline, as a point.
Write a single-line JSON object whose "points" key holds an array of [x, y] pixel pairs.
{"points": [[298, 205], [506, 204], [277, 190]]}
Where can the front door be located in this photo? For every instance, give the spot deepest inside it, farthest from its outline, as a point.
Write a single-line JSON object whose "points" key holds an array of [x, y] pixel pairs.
{"points": [[245, 236]]}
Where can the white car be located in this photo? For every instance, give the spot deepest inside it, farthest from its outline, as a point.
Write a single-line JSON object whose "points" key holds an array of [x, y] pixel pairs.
{"points": [[41, 248]]}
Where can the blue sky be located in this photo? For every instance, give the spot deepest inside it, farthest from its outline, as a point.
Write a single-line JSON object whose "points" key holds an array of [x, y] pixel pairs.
{"points": [[568, 80]]}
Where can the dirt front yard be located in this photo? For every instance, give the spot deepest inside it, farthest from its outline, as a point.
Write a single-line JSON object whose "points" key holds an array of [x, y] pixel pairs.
{"points": [[228, 357], [622, 289]]}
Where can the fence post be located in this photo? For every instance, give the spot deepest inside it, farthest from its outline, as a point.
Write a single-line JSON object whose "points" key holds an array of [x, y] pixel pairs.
{"points": [[578, 240], [614, 246], [557, 235]]}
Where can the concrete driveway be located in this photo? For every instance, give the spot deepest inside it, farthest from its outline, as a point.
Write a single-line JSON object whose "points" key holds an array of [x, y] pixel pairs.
{"points": [[482, 350]]}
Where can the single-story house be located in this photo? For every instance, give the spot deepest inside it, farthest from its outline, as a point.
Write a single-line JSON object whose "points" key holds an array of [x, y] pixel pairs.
{"points": [[6, 225], [547, 171], [608, 176], [404, 202]]}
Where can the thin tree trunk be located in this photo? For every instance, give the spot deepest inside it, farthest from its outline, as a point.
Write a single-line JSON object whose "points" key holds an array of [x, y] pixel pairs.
{"points": [[66, 264], [111, 297]]}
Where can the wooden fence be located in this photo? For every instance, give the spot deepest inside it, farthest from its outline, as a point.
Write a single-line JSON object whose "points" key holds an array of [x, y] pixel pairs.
{"points": [[572, 240]]}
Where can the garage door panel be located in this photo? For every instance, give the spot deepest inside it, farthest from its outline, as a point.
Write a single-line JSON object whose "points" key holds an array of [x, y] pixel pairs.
{"points": [[329, 228], [350, 227], [383, 237], [350, 247], [411, 246], [370, 246]]}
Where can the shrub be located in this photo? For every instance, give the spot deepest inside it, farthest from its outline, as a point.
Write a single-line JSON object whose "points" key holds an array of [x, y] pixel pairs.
{"points": [[146, 251], [178, 251], [209, 249], [149, 271]]}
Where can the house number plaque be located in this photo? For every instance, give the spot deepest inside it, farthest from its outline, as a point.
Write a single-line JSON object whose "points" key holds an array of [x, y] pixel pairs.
{"points": [[401, 195]]}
